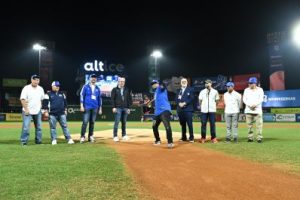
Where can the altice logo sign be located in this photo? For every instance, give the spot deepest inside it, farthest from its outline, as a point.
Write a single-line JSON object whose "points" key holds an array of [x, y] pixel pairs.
{"points": [[99, 66]]}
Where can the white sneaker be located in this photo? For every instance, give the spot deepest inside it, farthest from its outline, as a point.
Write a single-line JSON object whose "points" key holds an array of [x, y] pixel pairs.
{"points": [[92, 139], [54, 142], [116, 139], [126, 138], [170, 145], [70, 141], [156, 143], [82, 140]]}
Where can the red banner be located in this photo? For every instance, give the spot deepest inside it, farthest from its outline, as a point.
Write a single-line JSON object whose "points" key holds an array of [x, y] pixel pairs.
{"points": [[241, 81]]}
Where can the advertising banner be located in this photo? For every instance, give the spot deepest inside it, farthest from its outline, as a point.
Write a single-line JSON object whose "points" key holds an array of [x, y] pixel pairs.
{"points": [[218, 82], [281, 99], [10, 82], [241, 81], [285, 117], [14, 117], [2, 117], [74, 113], [269, 117], [298, 117], [285, 110]]}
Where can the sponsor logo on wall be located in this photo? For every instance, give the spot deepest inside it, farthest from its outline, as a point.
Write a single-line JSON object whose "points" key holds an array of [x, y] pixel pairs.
{"points": [[285, 117]]}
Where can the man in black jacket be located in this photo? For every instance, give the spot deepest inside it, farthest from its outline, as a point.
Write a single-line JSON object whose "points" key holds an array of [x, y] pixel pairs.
{"points": [[121, 101], [55, 106]]}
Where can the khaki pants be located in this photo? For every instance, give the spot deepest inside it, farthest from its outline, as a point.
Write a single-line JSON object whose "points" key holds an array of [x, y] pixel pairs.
{"points": [[250, 120]]}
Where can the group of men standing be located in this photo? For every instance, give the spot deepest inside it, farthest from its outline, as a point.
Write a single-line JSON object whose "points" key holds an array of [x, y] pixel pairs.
{"points": [[208, 100], [54, 105]]}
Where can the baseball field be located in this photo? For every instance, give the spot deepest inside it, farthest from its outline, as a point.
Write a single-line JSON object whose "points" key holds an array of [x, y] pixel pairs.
{"points": [[136, 169]]}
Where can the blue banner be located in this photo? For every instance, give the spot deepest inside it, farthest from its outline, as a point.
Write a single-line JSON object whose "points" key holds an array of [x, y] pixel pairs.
{"points": [[269, 117], [218, 82], [281, 99], [297, 117]]}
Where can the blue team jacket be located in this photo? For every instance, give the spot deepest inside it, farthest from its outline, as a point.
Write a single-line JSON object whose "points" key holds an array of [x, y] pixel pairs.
{"points": [[161, 100], [86, 97]]}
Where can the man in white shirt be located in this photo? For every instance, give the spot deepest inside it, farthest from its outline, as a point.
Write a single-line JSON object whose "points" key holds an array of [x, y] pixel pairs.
{"points": [[232, 101], [31, 100], [253, 98], [208, 99]]}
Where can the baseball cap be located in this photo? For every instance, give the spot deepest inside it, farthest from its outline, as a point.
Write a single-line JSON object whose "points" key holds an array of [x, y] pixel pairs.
{"points": [[93, 76], [229, 84], [208, 81], [55, 83], [154, 81], [252, 80], [35, 76]]}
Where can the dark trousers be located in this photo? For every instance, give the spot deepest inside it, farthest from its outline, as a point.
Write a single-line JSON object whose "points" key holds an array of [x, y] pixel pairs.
{"points": [[164, 117], [212, 120], [89, 116], [121, 115], [186, 118]]}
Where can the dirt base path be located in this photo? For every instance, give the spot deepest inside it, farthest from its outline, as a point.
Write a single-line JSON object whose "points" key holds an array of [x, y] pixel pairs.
{"points": [[191, 172]]}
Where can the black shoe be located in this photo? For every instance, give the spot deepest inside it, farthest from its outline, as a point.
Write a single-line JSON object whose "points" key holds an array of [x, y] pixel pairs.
{"points": [[259, 141], [235, 140], [182, 139], [227, 140], [250, 140], [24, 144], [38, 142]]}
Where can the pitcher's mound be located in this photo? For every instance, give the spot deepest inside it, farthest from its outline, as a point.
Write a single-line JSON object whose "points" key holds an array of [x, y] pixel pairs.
{"points": [[135, 135]]}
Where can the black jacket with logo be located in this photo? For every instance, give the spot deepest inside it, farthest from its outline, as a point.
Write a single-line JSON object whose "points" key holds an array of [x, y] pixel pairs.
{"points": [[119, 101], [55, 103]]}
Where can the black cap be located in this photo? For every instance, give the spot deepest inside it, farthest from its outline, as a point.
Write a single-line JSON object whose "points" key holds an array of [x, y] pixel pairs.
{"points": [[35, 76], [93, 76]]}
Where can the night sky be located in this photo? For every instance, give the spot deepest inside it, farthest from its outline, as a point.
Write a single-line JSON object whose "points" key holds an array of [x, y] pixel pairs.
{"points": [[196, 40]]}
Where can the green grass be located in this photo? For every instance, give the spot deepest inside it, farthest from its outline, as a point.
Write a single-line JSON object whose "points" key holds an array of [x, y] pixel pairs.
{"points": [[280, 147], [95, 171], [88, 171]]}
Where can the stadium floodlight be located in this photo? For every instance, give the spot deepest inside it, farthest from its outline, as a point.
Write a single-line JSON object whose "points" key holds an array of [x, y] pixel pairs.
{"points": [[156, 54], [296, 34], [39, 48]]}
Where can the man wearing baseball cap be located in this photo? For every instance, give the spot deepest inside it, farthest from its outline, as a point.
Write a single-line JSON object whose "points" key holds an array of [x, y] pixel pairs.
{"points": [[90, 105], [162, 112], [55, 106], [253, 98], [31, 100], [208, 99], [233, 102]]}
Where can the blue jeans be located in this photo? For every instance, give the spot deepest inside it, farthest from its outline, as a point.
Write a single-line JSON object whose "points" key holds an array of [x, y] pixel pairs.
{"points": [[89, 116], [62, 119], [121, 115], [212, 121], [37, 120]]}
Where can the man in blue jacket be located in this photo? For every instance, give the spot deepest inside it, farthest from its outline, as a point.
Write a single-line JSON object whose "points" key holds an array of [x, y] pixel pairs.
{"points": [[55, 107], [90, 105], [162, 113], [184, 100]]}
